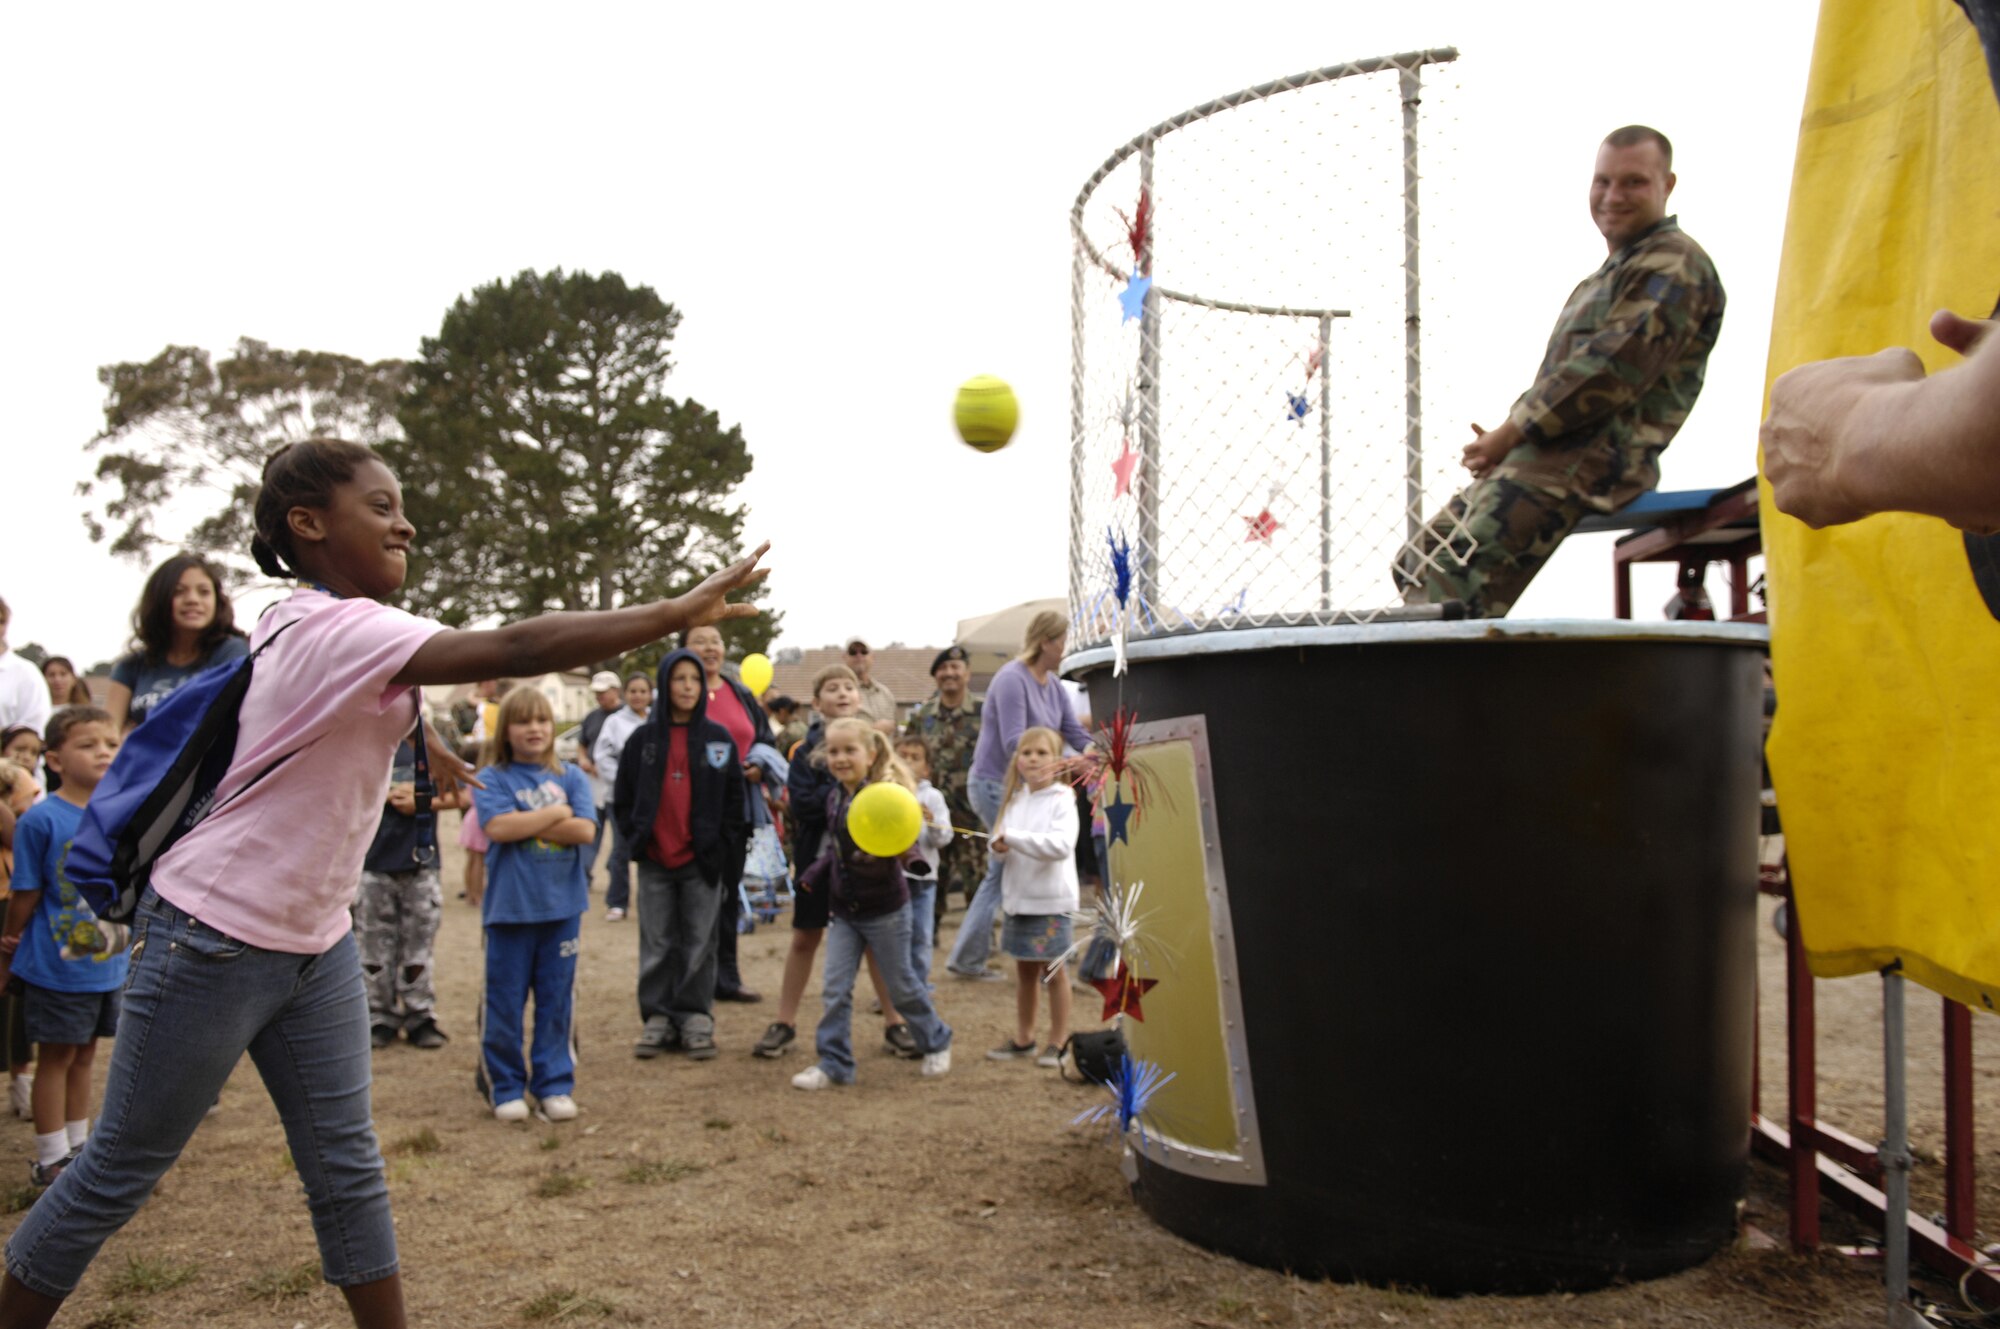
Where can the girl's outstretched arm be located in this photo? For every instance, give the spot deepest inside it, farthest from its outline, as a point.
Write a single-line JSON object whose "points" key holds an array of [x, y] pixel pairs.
{"points": [[568, 640]]}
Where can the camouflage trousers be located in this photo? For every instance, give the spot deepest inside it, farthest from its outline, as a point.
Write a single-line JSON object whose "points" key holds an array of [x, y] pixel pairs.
{"points": [[396, 918], [1486, 546]]}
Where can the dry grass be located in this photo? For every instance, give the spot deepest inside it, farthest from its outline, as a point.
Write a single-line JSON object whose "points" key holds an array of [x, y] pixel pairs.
{"points": [[898, 1202]]}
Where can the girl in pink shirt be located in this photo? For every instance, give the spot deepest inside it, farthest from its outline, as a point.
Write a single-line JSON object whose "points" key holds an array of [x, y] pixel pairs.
{"points": [[242, 943]]}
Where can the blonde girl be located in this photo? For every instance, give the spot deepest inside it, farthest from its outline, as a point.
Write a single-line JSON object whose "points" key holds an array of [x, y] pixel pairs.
{"points": [[1034, 842], [867, 901], [1025, 694], [542, 820]]}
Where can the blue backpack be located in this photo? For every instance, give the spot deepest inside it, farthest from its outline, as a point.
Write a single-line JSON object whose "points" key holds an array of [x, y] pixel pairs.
{"points": [[160, 785]]}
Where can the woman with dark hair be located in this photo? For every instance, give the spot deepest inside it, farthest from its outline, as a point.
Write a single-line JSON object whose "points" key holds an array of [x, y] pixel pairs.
{"points": [[65, 688], [183, 624]]}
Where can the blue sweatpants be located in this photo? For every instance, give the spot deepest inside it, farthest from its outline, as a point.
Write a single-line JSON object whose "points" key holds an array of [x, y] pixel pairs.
{"points": [[522, 958]]}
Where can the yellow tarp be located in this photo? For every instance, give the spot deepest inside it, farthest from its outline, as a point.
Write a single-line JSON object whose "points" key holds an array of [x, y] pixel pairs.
{"points": [[1886, 751]]}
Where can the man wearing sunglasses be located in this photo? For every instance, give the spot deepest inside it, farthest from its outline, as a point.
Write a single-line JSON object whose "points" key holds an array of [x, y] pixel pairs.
{"points": [[877, 702]]}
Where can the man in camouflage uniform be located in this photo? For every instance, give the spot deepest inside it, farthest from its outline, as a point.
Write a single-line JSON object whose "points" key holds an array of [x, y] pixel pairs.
{"points": [[1622, 370], [948, 724]]}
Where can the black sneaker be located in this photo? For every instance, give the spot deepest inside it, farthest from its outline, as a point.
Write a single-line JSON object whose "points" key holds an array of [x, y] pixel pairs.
{"points": [[426, 1034], [738, 993], [381, 1035], [899, 1040], [43, 1175], [775, 1040], [1012, 1051]]}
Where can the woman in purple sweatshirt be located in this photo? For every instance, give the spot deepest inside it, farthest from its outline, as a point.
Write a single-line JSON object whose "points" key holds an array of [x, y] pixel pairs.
{"points": [[1024, 695]]}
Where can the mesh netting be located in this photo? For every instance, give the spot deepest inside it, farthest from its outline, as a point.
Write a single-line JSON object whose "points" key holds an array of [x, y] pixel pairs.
{"points": [[1250, 424]]}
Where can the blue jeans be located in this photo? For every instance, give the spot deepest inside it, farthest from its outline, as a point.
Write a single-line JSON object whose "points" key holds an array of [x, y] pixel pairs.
{"points": [[975, 930], [195, 1002], [923, 928], [888, 936], [523, 958], [618, 895]]}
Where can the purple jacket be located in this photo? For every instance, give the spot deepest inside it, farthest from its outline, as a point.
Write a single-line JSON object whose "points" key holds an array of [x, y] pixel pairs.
{"points": [[1015, 704]]}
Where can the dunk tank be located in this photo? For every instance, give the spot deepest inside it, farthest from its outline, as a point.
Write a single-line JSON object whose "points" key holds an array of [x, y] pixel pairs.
{"points": [[1436, 961]]}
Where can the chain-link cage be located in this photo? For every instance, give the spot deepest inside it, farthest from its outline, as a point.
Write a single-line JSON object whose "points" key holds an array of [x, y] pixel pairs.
{"points": [[1247, 324]]}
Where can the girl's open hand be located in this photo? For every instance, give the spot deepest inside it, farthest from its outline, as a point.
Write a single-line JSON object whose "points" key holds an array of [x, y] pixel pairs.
{"points": [[709, 603], [449, 772]]}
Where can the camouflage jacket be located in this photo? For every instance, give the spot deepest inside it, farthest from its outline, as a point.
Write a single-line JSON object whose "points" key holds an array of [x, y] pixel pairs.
{"points": [[1622, 370], [951, 735]]}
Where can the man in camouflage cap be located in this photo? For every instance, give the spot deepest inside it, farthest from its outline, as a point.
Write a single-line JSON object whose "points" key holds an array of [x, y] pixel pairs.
{"points": [[1622, 370], [948, 724]]}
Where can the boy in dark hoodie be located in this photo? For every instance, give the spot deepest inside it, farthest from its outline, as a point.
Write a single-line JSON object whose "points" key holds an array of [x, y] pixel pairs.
{"points": [[679, 803]]}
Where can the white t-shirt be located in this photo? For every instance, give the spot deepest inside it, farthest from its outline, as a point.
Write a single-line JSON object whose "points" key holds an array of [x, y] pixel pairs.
{"points": [[619, 726], [24, 694]]}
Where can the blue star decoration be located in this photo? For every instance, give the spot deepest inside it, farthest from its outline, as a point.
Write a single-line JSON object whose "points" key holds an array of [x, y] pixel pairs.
{"points": [[1117, 815], [1296, 408], [1133, 298]]}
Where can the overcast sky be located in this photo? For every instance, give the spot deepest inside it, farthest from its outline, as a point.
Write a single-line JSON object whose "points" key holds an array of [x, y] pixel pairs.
{"points": [[855, 208]]}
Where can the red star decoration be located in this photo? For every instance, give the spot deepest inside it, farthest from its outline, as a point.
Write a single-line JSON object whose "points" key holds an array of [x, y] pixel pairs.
{"points": [[1122, 993], [1262, 527], [1126, 463]]}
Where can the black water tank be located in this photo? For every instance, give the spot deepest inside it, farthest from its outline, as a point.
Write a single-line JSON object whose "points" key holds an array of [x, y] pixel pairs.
{"points": [[1493, 888]]}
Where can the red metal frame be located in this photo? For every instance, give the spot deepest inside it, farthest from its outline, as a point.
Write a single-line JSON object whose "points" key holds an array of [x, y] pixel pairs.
{"points": [[1726, 531], [1820, 1159]]}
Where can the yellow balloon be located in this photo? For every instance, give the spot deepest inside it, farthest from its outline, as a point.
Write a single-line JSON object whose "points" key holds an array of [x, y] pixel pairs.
{"points": [[884, 819], [986, 413], [755, 672]]}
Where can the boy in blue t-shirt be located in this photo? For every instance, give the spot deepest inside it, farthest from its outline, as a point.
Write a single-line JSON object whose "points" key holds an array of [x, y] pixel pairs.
{"points": [[52, 942]]}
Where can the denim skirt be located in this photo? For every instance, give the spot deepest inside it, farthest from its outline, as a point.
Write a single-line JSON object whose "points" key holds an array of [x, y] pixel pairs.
{"points": [[1044, 937]]}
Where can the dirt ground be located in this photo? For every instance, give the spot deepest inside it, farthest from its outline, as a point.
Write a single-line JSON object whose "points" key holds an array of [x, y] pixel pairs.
{"points": [[714, 1194]]}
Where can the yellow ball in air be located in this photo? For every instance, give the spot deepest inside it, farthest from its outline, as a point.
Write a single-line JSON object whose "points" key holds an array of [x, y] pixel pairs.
{"points": [[986, 413]]}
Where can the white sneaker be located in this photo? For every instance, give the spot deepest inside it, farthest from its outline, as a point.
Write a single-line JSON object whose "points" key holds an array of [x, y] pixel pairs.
{"points": [[812, 1077], [514, 1109], [936, 1063], [21, 1094], [614, 915], [558, 1107]]}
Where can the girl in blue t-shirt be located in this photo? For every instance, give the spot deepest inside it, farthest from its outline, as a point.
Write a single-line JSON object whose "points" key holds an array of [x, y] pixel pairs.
{"points": [[540, 816]]}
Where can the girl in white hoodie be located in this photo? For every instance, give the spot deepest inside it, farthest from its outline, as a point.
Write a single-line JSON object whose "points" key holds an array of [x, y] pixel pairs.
{"points": [[1036, 841]]}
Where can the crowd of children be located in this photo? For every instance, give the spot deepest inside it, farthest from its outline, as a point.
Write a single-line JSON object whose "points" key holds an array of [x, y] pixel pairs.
{"points": [[326, 950]]}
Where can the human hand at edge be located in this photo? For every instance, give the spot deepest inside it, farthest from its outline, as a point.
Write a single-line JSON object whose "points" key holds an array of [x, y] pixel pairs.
{"points": [[1807, 439]]}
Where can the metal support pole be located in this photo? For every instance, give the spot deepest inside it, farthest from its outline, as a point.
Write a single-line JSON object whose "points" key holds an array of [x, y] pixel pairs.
{"points": [[1413, 396], [1895, 1152], [1146, 570], [1325, 465], [1086, 632], [1801, 1083], [1960, 1211]]}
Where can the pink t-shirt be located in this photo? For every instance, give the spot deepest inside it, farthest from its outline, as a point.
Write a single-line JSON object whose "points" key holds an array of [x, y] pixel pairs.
{"points": [[276, 864], [726, 709]]}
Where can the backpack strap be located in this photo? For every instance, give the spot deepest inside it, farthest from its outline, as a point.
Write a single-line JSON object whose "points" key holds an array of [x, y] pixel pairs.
{"points": [[425, 852]]}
